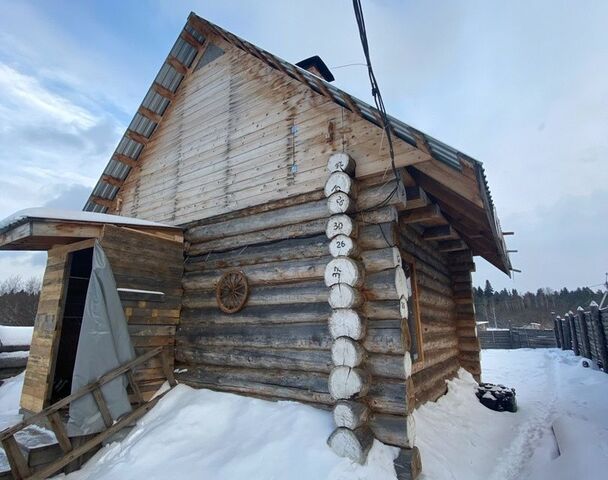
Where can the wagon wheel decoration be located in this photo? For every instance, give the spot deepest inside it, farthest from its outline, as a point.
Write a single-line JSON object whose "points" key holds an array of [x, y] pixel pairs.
{"points": [[231, 291]]}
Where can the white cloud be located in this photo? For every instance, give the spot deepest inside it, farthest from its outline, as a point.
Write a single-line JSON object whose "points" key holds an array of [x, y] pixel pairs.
{"points": [[26, 94]]}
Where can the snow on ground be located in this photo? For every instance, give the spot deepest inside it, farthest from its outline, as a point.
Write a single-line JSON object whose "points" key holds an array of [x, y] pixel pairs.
{"points": [[194, 434], [559, 433], [10, 393], [559, 401], [15, 335]]}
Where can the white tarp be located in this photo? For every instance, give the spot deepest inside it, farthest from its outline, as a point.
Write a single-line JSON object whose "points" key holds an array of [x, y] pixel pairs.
{"points": [[103, 345]]}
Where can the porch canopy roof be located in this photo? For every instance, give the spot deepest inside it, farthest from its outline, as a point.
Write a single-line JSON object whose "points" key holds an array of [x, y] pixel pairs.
{"points": [[43, 228]]}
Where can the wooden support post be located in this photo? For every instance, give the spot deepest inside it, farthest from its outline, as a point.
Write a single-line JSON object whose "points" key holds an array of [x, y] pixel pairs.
{"points": [[103, 407], [60, 432], [167, 369], [139, 399], [18, 463]]}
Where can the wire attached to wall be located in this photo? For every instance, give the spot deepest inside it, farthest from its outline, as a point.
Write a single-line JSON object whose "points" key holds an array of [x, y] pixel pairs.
{"points": [[374, 83], [379, 106]]}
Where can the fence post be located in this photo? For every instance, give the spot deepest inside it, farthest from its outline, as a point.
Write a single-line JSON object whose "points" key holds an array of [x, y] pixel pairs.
{"points": [[586, 350], [602, 345], [560, 328], [567, 333], [575, 340], [558, 340]]}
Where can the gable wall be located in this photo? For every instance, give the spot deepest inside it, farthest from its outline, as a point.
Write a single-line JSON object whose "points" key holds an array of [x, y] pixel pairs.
{"points": [[231, 136]]}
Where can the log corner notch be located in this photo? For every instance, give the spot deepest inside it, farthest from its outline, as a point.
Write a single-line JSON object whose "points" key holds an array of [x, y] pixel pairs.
{"points": [[347, 275], [461, 265]]}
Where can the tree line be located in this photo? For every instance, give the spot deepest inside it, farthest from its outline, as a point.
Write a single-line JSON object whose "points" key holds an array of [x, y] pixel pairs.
{"points": [[509, 308], [19, 300]]}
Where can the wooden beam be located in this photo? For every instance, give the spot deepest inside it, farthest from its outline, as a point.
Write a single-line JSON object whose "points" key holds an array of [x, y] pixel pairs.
{"points": [[188, 38], [441, 232], [415, 198], [104, 202], [137, 137], [60, 432], [452, 246], [177, 65], [115, 182], [149, 114], [162, 91], [19, 467], [103, 407], [131, 162], [422, 214]]}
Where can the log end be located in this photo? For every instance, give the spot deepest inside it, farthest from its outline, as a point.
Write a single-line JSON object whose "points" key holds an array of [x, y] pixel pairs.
{"points": [[408, 464], [352, 444]]}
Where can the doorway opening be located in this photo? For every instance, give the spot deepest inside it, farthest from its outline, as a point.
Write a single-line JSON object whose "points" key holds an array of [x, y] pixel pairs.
{"points": [[80, 264]]}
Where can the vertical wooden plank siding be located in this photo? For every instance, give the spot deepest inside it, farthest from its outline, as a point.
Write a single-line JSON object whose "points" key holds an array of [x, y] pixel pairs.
{"points": [[36, 386], [239, 134], [142, 261]]}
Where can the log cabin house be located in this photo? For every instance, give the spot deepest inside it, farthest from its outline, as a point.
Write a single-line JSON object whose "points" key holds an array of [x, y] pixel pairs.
{"points": [[283, 259]]}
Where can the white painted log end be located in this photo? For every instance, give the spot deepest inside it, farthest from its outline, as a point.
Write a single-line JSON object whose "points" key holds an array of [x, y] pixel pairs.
{"points": [[345, 322], [407, 364], [346, 383], [403, 308], [342, 246], [350, 414], [340, 182], [341, 162], [347, 352], [340, 202], [343, 270], [411, 431], [340, 225], [401, 283], [352, 444], [342, 295]]}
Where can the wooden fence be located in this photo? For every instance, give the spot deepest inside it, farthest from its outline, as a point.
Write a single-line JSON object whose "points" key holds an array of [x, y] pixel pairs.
{"points": [[516, 338], [584, 332]]}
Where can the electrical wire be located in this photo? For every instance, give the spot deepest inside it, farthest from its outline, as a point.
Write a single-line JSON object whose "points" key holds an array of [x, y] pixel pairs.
{"points": [[379, 106], [374, 83]]}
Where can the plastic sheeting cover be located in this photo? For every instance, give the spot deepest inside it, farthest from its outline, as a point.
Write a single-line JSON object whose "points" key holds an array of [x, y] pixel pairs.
{"points": [[103, 345]]}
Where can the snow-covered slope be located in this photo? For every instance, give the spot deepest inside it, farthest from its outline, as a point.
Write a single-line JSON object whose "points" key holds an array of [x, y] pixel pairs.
{"points": [[559, 433], [194, 434]]}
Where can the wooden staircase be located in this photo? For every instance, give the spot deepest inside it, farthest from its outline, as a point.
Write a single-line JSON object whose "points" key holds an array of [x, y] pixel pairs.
{"points": [[72, 449]]}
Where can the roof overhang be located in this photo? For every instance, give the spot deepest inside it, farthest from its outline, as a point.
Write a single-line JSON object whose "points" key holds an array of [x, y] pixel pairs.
{"points": [[31, 233]]}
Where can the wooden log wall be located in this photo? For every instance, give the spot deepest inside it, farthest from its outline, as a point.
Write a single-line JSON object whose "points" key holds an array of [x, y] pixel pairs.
{"points": [[438, 316], [279, 345]]}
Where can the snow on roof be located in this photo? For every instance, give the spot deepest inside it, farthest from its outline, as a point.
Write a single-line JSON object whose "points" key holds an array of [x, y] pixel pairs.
{"points": [[74, 215], [18, 336]]}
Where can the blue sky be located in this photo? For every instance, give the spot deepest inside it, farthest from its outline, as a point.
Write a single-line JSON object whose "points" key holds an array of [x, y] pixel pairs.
{"points": [[521, 86]]}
